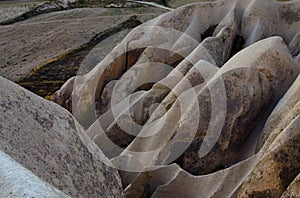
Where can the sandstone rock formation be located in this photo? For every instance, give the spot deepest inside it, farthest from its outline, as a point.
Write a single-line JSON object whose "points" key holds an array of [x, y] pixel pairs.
{"points": [[200, 98], [188, 36], [278, 167], [202, 101], [282, 115], [294, 188], [48, 141], [271, 172]]}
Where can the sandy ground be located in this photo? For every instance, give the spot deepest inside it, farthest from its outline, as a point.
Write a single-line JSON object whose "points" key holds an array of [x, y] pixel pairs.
{"points": [[29, 44]]}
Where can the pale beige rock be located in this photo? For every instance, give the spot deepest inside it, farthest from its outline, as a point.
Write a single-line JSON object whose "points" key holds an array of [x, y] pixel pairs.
{"points": [[196, 72], [247, 92], [297, 59], [278, 167], [172, 181], [293, 190], [284, 112], [182, 184], [272, 171], [106, 97], [271, 57], [272, 47], [153, 125], [184, 39], [185, 28], [141, 109], [47, 140], [62, 96]]}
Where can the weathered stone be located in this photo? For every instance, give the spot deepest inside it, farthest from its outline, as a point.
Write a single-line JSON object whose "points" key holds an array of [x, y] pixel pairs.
{"points": [[269, 173], [254, 100], [297, 59], [171, 180], [205, 123], [17, 181], [293, 190], [247, 92], [294, 45], [106, 97], [278, 167], [154, 33], [259, 19], [48, 141], [284, 112], [196, 72], [270, 56], [63, 95]]}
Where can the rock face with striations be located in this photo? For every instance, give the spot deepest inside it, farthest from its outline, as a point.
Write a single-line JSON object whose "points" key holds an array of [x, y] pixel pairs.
{"points": [[189, 104], [47, 140], [219, 96]]}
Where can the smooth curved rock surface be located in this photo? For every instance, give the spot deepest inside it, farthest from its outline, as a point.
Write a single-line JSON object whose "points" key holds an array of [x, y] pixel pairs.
{"points": [[174, 139], [48, 141], [17, 181], [253, 21], [265, 174], [199, 90]]}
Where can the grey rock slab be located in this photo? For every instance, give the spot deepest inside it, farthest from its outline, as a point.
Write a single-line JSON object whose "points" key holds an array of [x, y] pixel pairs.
{"points": [[47, 140], [17, 181]]}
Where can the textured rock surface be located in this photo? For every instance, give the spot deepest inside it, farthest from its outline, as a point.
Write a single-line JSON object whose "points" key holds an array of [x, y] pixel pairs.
{"points": [[48, 141], [241, 110], [61, 97], [265, 174], [278, 167], [196, 72], [293, 190], [285, 111], [16, 181], [41, 8], [189, 37], [206, 107]]}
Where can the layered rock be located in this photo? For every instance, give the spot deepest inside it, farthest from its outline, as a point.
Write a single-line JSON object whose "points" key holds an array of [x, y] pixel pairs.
{"points": [[282, 115], [272, 172], [192, 130], [48, 141], [190, 72], [199, 90], [264, 174]]}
